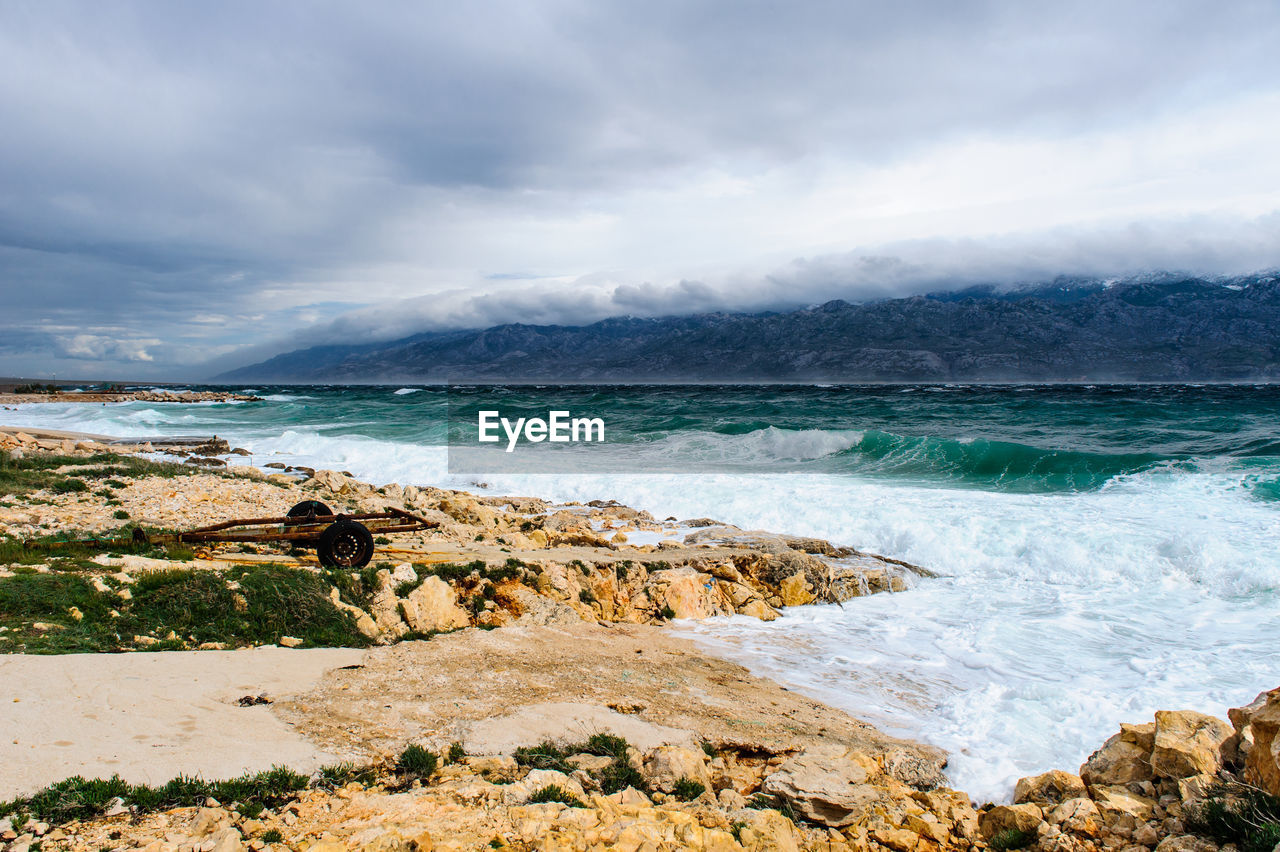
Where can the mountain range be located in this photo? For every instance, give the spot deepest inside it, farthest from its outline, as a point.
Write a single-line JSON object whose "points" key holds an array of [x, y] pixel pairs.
{"points": [[1153, 328]]}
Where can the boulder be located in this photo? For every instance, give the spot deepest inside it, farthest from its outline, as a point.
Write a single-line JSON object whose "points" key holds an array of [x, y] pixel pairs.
{"points": [[384, 607], [330, 480], [1023, 817], [831, 791], [539, 610], [758, 609], [1052, 787], [665, 765], [433, 606], [1188, 743], [1119, 761], [1080, 816], [1262, 766], [688, 592], [364, 623], [796, 590], [1113, 801]]}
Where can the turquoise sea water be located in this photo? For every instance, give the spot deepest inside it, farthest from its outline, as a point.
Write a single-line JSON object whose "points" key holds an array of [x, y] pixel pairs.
{"points": [[1104, 551]]}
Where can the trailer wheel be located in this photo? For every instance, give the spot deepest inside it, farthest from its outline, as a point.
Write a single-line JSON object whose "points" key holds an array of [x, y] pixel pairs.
{"points": [[345, 544], [307, 511]]}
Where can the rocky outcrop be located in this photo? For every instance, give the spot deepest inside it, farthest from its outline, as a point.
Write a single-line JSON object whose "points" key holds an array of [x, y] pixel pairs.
{"points": [[1256, 741]]}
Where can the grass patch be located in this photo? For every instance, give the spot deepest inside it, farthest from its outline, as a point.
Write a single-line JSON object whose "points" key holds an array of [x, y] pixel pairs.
{"points": [[761, 802], [1011, 838], [555, 793], [60, 473], [686, 789], [618, 775], [272, 835], [417, 761], [456, 753], [1240, 814], [193, 606], [77, 798], [342, 774]]}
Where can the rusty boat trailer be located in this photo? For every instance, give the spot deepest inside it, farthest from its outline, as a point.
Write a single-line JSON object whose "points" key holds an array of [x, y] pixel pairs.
{"points": [[340, 540]]}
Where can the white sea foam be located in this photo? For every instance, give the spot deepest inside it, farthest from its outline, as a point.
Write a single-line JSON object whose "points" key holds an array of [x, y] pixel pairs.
{"points": [[406, 391], [1058, 615]]}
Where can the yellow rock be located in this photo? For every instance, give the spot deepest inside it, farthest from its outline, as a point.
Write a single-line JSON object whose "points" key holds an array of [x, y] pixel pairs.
{"points": [[795, 590]]}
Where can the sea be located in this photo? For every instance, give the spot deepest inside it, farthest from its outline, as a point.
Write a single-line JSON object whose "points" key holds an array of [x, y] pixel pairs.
{"points": [[1101, 552]]}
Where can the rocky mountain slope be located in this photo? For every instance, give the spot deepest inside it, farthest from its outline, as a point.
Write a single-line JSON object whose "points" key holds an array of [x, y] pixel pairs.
{"points": [[1156, 328]]}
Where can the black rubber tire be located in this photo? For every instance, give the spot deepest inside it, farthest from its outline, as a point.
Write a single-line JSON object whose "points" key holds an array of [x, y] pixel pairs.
{"points": [[307, 511], [345, 544]]}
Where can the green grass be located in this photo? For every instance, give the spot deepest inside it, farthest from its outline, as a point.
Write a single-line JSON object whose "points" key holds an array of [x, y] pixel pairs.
{"points": [[78, 798], [555, 793], [198, 606], [417, 761], [762, 802], [1240, 814], [41, 471], [686, 789], [272, 835], [342, 774], [618, 775], [1011, 838], [456, 753]]}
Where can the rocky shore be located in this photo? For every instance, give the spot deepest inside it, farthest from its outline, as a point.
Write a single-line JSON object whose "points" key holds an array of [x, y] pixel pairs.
{"points": [[127, 396], [519, 690]]}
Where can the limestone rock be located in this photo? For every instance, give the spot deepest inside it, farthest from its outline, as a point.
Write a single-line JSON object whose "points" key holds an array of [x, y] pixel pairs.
{"points": [[1117, 762], [758, 609], [433, 606], [1080, 816], [385, 608], [665, 765], [831, 791], [1053, 787], [290, 641], [1262, 766], [796, 590], [543, 611], [1186, 843], [1187, 743], [364, 623], [1024, 817], [1114, 800]]}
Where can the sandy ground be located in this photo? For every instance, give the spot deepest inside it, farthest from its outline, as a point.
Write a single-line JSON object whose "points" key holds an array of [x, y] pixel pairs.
{"points": [[151, 716], [519, 685]]}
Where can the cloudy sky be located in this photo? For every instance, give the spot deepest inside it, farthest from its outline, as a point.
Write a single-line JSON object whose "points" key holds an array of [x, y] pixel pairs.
{"points": [[190, 186]]}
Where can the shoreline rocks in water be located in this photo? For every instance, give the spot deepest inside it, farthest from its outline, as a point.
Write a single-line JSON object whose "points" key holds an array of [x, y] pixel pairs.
{"points": [[127, 396]]}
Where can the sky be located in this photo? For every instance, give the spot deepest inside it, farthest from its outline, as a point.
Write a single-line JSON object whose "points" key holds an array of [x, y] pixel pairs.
{"points": [[187, 187]]}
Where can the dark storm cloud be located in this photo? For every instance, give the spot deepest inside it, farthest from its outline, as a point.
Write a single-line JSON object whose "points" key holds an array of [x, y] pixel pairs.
{"points": [[179, 179]]}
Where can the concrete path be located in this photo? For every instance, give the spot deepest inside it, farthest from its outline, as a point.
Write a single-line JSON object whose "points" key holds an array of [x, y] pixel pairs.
{"points": [[151, 716]]}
